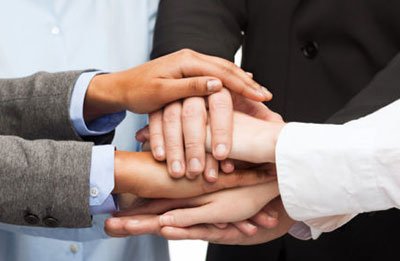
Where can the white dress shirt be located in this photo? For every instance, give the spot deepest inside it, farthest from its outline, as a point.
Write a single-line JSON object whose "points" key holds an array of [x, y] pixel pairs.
{"points": [[60, 35], [330, 173]]}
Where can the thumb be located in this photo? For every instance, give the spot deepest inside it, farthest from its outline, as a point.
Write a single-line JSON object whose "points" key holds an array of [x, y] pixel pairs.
{"points": [[175, 89]]}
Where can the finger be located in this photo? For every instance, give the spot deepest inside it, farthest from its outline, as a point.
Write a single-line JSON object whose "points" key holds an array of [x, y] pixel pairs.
{"points": [[172, 128], [254, 109], [233, 77], [115, 235], [246, 227], [221, 225], [211, 168], [239, 178], [146, 147], [190, 216], [194, 119], [228, 166], [142, 135], [221, 123], [268, 217], [176, 89], [264, 220], [159, 206], [156, 135], [135, 226], [114, 227], [204, 232]]}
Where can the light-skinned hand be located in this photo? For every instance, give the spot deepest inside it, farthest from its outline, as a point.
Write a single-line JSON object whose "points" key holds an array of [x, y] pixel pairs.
{"points": [[177, 133]]}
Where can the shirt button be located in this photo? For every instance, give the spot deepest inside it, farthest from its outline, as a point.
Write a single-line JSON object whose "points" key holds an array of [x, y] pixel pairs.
{"points": [[310, 49], [31, 219], [55, 30], [94, 192], [74, 248]]}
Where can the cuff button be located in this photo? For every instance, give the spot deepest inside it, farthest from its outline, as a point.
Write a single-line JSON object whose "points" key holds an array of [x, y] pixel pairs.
{"points": [[31, 219], [50, 222]]}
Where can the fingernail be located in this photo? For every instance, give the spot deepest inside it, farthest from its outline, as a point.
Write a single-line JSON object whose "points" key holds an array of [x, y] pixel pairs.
{"points": [[266, 92], [133, 222], [220, 150], [176, 166], [272, 214], [159, 151], [250, 74], [213, 85], [212, 174], [260, 93], [195, 165], [166, 220], [251, 226], [114, 221]]}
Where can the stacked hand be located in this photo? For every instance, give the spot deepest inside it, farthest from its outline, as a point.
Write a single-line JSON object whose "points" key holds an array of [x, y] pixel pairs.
{"points": [[233, 206]]}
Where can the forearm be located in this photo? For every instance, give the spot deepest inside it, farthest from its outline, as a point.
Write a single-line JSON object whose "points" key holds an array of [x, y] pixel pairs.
{"points": [[353, 163], [38, 178], [28, 106], [103, 97]]}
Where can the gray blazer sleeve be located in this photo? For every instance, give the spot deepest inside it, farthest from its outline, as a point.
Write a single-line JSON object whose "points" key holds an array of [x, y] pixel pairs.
{"points": [[43, 182], [37, 107]]}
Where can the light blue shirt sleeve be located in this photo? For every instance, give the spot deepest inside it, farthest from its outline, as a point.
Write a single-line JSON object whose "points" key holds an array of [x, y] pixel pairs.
{"points": [[102, 180], [100, 126], [102, 167]]}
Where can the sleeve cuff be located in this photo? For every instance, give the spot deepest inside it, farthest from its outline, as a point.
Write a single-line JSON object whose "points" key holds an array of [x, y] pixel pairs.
{"points": [[317, 162], [99, 126], [102, 180]]}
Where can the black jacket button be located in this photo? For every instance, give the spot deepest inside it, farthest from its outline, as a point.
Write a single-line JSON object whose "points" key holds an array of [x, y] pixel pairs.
{"points": [[50, 222], [31, 219], [310, 49]]}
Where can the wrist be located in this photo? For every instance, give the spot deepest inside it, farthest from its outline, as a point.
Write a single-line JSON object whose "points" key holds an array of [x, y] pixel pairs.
{"points": [[267, 141], [120, 162], [102, 97]]}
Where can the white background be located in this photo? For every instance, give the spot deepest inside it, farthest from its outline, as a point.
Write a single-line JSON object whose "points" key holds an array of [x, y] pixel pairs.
{"points": [[194, 250]]}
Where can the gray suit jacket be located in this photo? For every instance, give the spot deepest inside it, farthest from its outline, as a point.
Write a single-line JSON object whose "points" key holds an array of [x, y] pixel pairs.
{"points": [[44, 163]]}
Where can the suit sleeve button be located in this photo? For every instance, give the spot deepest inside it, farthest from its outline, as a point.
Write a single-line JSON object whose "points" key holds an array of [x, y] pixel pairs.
{"points": [[50, 222], [31, 219]]}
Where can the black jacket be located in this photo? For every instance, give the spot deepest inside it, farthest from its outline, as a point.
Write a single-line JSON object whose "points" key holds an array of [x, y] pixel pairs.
{"points": [[324, 61]]}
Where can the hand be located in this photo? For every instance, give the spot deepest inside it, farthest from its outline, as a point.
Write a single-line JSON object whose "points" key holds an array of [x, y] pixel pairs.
{"points": [[225, 206], [254, 140], [231, 235], [139, 174], [236, 233], [187, 122], [149, 87]]}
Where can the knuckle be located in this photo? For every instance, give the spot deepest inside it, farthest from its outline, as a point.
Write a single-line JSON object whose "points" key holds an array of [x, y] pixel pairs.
{"points": [[171, 116], [220, 104], [219, 132], [156, 137], [228, 68], [193, 110], [194, 146], [194, 84], [186, 53]]}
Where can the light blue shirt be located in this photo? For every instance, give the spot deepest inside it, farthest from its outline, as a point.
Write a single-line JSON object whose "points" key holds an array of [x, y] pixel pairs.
{"points": [[102, 165], [60, 35]]}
